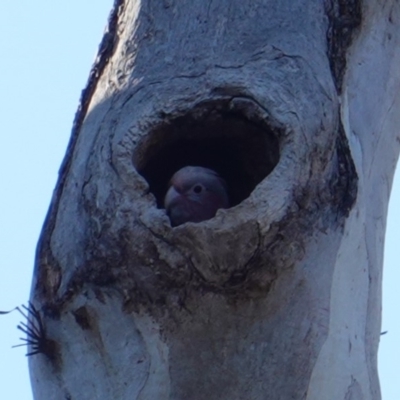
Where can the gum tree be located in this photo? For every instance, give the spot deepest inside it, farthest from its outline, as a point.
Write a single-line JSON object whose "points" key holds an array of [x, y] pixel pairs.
{"points": [[296, 105]]}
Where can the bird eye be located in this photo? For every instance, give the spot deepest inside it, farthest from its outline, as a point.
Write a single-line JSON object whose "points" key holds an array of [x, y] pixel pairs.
{"points": [[197, 189]]}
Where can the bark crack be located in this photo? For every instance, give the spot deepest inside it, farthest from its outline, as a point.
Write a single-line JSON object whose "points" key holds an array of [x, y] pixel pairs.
{"points": [[345, 17]]}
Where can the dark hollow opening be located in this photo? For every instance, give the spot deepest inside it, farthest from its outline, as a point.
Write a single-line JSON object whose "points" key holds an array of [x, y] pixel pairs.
{"points": [[215, 136]]}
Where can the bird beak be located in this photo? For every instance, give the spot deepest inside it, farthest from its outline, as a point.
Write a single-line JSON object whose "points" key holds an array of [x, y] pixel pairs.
{"points": [[171, 196]]}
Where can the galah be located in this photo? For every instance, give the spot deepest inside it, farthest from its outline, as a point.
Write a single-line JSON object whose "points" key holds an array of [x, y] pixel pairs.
{"points": [[194, 195]]}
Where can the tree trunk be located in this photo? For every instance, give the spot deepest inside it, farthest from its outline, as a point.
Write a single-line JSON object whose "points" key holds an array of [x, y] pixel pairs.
{"points": [[296, 105]]}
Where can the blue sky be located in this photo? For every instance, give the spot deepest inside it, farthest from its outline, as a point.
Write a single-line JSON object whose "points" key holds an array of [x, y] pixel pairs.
{"points": [[47, 50]]}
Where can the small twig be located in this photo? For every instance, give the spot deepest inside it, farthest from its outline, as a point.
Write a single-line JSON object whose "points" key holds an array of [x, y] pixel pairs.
{"points": [[34, 330]]}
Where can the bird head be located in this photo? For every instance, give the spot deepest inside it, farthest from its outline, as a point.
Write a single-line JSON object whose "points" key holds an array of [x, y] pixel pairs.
{"points": [[194, 195]]}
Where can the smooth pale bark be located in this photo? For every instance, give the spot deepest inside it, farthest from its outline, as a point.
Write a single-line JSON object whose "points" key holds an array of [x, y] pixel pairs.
{"points": [[296, 104]]}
